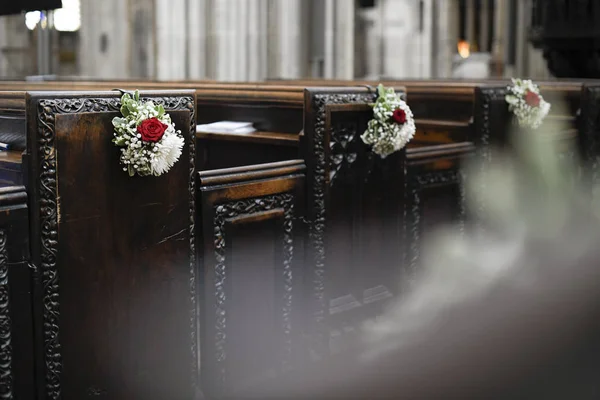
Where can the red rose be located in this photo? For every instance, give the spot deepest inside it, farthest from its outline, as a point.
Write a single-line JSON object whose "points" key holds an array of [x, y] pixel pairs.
{"points": [[399, 116], [152, 130], [532, 99]]}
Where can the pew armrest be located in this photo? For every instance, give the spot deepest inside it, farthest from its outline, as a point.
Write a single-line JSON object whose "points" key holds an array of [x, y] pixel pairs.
{"points": [[274, 138], [14, 222], [11, 168], [250, 173]]}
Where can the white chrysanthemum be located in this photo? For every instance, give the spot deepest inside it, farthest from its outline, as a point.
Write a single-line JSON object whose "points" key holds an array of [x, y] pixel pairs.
{"points": [[383, 134], [166, 152]]}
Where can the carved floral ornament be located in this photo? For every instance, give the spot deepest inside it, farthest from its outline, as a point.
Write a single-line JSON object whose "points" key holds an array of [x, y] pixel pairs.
{"points": [[149, 143], [392, 125], [526, 103]]}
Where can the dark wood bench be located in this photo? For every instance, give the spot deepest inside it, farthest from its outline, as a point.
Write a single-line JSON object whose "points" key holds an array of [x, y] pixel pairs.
{"points": [[590, 129], [132, 280], [352, 266], [362, 248], [16, 320]]}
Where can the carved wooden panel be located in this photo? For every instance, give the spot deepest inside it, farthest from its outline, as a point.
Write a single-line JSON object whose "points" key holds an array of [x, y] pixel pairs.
{"points": [[494, 124], [433, 198], [16, 342], [355, 213], [115, 262], [590, 130], [251, 261], [6, 353]]}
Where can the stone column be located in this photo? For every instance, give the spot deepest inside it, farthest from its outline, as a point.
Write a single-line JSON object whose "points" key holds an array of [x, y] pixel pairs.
{"points": [[241, 40], [330, 53], [344, 39], [17, 52], [499, 40], [171, 35], [368, 50], [263, 13], [448, 35], [484, 24], [406, 50], [273, 39], [285, 39], [522, 59], [253, 50], [197, 49], [218, 33], [143, 38], [421, 67], [105, 39], [471, 23]]}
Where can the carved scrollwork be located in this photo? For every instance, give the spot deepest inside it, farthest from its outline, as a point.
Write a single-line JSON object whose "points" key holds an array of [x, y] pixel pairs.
{"points": [[46, 118], [488, 96], [318, 183], [446, 177], [6, 375], [343, 147], [590, 129], [413, 209], [224, 212]]}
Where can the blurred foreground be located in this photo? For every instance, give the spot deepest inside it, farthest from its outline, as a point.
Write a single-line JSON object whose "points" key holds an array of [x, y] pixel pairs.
{"points": [[509, 310]]}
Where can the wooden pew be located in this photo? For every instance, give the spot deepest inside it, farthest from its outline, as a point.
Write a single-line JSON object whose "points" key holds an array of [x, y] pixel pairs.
{"points": [[589, 124], [493, 123], [355, 215], [277, 116], [123, 309], [443, 114], [253, 268], [16, 322], [357, 203], [348, 303], [12, 129], [115, 279]]}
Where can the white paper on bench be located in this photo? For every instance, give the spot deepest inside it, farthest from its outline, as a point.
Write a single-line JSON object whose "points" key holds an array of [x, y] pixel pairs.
{"points": [[228, 127]]}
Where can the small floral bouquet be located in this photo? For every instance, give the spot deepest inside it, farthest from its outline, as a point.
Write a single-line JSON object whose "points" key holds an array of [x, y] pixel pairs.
{"points": [[526, 103], [150, 144], [392, 126]]}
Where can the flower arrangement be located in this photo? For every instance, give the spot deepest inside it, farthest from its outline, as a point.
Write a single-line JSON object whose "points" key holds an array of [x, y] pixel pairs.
{"points": [[149, 143], [392, 126], [526, 103]]}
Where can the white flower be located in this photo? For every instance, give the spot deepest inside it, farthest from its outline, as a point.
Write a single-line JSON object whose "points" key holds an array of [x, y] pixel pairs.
{"points": [[140, 157], [384, 134], [528, 116], [166, 152]]}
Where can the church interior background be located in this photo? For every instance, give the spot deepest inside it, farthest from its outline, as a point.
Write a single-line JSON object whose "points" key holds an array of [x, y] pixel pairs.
{"points": [[233, 40]]}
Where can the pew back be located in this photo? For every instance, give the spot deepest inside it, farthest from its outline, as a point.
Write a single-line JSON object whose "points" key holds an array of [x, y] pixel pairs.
{"points": [[590, 130], [252, 266], [354, 212], [16, 323], [115, 286]]}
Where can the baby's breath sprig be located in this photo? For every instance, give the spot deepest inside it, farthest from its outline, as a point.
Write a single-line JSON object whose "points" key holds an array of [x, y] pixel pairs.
{"points": [[392, 126]]}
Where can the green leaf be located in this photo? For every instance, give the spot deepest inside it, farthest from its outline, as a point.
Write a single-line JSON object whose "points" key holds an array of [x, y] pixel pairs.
{"points": [[137, 95], [125, 110], [161, 110], [381, 90], [132, 107], [119, 121], [130, 170]]}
